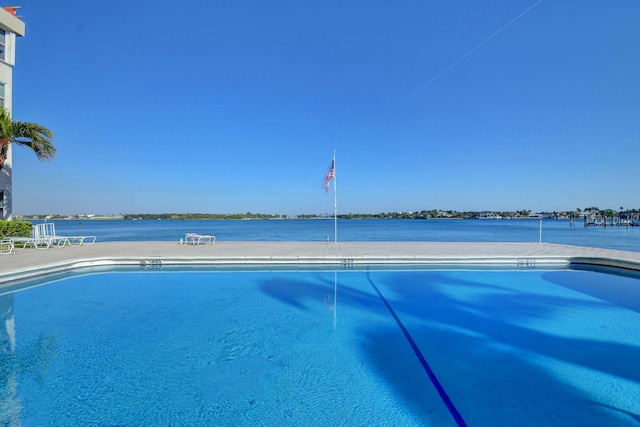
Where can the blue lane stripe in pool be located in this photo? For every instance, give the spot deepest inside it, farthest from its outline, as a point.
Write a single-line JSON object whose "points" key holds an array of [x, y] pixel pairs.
{"points": [[425, 365]]}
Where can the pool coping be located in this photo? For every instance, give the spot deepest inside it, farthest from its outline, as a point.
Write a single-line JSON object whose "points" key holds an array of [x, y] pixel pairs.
{"points": [[31, 263]]}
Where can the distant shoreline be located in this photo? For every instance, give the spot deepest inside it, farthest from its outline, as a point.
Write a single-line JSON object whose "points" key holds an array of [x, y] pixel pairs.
{"points": [[433, 214], [281, 219]]}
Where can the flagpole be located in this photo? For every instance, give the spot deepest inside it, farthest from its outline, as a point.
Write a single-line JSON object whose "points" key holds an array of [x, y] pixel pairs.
{"points": [[335, 200]]}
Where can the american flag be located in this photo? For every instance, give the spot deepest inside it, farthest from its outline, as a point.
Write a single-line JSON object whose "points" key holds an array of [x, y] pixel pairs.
{"points": [[330, 175]]}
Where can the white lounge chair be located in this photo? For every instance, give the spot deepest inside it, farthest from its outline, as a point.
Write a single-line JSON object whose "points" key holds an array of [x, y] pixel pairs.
{"points": [[6, 247], [199, 239], [48, 230], [36, 240]]}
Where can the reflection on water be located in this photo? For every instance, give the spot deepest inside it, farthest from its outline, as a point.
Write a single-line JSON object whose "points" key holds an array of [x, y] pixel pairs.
{"points": [[9, 401], [331, 301], [34, 360]]}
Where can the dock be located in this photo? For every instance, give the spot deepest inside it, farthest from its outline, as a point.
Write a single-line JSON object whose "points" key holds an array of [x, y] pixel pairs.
{"points": [[604, 221]]}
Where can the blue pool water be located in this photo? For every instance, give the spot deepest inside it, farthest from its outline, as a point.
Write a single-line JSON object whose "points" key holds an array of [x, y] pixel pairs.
{"points": [[314, 347], [553, 231]]}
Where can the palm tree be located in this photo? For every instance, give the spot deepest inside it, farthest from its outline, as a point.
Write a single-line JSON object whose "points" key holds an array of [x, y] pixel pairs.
{"points": [[32, 135]]}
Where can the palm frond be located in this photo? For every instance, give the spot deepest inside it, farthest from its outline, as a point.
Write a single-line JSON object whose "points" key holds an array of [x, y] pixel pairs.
{"points": [[36, 137], [32, 135]]}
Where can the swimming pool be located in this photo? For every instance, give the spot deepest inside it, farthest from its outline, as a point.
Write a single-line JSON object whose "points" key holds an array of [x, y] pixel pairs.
{"points": [[362, 346]]}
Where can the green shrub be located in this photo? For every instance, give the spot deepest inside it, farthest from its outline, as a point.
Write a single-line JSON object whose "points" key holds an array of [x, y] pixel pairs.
{"points": [[15, 228]]}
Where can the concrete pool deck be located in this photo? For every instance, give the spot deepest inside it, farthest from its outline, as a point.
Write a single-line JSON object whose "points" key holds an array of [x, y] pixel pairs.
{"points": [[27, 263]]}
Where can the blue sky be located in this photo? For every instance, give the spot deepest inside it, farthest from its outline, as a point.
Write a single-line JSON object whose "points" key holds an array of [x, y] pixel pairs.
{"points": [[231, 107]]}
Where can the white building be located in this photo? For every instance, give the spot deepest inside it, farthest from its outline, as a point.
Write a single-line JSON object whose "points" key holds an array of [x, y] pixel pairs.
{"points": [[10, 27]]}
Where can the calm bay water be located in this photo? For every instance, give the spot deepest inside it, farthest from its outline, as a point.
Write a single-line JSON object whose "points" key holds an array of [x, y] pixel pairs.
{"points": [[553, 231]]}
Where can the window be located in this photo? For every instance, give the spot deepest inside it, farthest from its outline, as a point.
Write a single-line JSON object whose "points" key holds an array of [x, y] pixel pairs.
{"points": [[3, 40], [1, 95]]}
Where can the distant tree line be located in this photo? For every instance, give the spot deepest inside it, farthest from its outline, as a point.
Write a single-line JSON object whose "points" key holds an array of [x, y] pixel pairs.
{"points": [[202, 216], [422, 214]]}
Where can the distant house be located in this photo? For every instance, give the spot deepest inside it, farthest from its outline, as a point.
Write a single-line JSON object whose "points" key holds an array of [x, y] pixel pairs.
{"points": [[488, 215], [10, 27]]}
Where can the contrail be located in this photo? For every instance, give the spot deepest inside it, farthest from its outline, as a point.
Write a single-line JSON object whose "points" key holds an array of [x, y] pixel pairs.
{"points": [[456, 62]]}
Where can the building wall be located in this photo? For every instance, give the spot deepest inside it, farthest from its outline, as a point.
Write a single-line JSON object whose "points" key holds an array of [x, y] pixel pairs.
{"points": [[12, 27], [5, 172]]}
